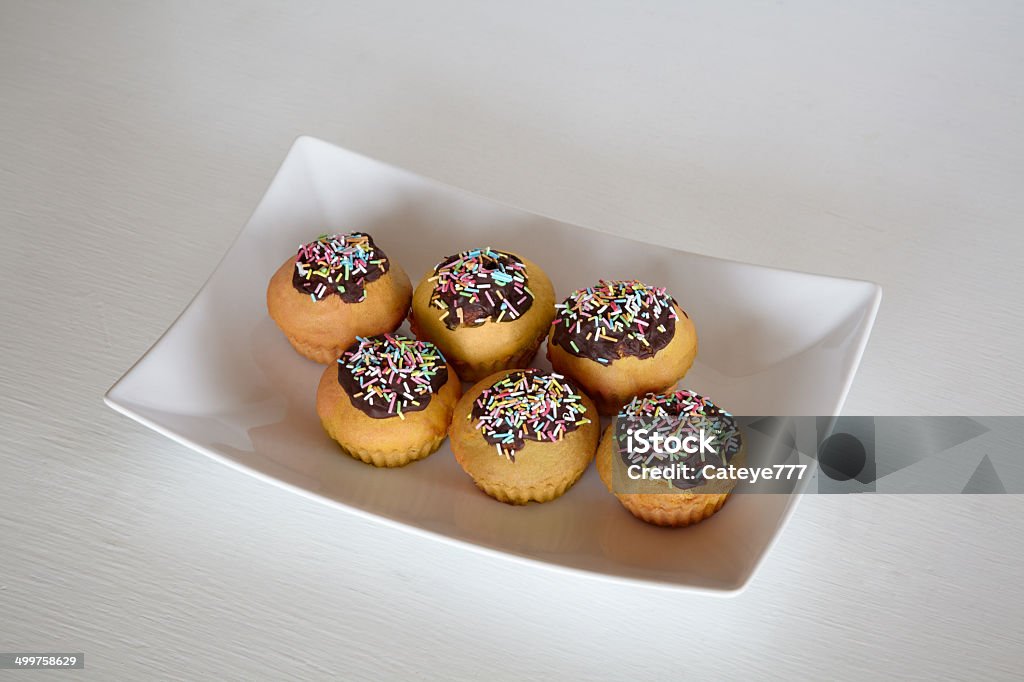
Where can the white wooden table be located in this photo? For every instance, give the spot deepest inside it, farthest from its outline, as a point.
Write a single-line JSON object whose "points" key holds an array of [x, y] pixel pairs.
{"points": [[882, 142]]}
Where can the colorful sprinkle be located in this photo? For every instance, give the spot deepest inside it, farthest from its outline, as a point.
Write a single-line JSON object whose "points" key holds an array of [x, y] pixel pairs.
{"points": [[613, 319], [681, 414], [474, 286], [525, 405], [390, 374], [340, 264]]}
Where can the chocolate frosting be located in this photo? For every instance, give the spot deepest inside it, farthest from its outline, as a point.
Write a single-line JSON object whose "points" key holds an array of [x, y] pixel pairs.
{"points": [[615, 319], [339, 264], [527, 404], [389, 375], [681, 414], [479, 285]]}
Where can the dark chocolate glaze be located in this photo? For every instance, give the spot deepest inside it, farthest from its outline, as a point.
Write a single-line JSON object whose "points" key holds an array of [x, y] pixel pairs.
{"points": [[592, 346], [678, 418], [320, 266], [582, 340], [521, 406], [472, 295], [392, 379]]}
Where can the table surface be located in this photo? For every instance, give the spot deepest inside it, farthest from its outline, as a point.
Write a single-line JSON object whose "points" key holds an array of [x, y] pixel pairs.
{"points": [[880, 142]]}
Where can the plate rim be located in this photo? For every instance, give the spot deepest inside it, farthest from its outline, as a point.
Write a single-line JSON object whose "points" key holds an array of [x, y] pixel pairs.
{"points": [[731, 590]]}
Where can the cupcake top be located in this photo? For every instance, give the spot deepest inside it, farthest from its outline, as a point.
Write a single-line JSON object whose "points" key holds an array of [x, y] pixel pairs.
{"points": [[478, 285], [338, 264], [389, 374], [527, 404], [615, 319], [680, 414]]}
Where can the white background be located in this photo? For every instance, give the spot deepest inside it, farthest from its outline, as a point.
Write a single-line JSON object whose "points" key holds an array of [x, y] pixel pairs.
{"points": [[881, 142]]}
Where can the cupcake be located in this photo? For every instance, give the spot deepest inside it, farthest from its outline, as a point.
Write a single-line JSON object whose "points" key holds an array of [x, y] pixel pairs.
{"points": [[487, 310], [678, 492], [388, 399], [620, 339], [337, 288], [524, 435]]}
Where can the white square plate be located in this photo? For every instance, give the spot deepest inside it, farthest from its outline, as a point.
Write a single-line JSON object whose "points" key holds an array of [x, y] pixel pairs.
{"points": [[224, 380]]}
